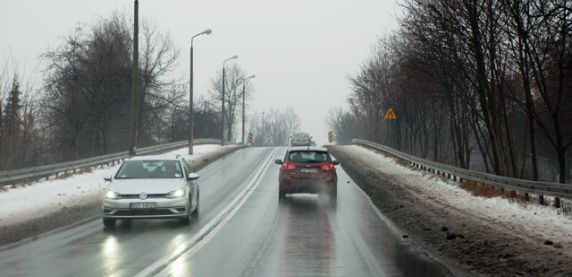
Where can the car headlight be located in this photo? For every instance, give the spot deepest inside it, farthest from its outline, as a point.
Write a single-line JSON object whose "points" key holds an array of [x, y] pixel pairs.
{"points": [[176, 193], [111, 194]]}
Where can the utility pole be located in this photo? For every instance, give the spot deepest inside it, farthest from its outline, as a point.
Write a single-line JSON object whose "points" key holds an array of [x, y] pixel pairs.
{"points": [[134, 83]]}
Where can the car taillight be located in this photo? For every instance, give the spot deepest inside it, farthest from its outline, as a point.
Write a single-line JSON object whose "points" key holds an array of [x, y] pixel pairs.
{"points": [[329, 166], [289, 166]]}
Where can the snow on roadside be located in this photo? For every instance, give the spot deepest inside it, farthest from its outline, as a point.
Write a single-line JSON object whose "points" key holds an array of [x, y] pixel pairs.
{"points": [[540, 222], [44, 197]]}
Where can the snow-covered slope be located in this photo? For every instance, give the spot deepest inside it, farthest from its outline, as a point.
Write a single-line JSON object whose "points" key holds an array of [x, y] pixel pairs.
{"points": [[45, 197], [540, 222]]}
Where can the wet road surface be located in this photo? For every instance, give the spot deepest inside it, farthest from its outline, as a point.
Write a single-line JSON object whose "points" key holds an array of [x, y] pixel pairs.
{"points": [[304, 235]]}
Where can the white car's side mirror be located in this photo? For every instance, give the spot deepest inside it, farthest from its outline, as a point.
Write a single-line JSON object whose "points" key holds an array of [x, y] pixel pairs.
{"points": [[193, 176], [107, 179]]}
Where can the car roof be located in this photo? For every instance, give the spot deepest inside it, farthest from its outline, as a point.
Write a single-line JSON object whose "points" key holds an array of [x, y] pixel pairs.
{"points": [[155, 158], [308, 148]]}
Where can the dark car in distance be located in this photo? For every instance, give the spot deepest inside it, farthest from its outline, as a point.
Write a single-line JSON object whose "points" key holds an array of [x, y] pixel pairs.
{"points": [[307, 170], [301, 139]]}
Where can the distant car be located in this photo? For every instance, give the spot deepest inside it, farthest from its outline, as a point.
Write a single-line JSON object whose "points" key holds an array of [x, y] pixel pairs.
{"points": [[301, 139], [146, 187], [307, 170]]}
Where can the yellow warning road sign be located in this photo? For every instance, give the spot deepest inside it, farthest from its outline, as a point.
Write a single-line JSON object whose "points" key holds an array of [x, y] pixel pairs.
{"points": [[331, 136], [390, 115], [250, 138]]}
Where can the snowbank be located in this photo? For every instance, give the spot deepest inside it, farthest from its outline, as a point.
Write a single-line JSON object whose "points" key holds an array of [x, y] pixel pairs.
{"points": [[45, 197], [538, 222]]}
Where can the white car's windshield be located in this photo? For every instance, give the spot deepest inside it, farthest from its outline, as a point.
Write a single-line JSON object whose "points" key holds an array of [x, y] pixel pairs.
{"points": [[150, 169]]}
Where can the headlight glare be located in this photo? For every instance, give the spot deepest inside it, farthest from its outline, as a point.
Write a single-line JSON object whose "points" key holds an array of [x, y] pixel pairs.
{"points": [[176, 193], [111, 194]]}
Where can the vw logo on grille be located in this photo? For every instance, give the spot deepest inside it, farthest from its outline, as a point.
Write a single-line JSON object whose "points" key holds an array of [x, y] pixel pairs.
{"points": [[143, 196]]}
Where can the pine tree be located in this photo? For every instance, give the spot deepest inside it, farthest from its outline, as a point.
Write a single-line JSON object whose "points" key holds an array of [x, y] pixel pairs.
{"points": [[11, 126], [12, 110]]}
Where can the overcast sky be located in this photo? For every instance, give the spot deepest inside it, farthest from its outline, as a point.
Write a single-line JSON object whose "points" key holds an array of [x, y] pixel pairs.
{"points": [[302, 51]]}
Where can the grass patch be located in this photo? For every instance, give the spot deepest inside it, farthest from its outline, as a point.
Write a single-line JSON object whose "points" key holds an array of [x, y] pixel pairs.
{"points": [[483, 190], [488, 191], [520, 198]]}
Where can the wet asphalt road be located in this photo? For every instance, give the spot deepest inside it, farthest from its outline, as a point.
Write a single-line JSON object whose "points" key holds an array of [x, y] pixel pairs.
{"points": [[305, 235]]}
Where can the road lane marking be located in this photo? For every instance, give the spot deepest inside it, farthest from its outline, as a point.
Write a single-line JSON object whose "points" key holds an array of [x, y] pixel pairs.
{"points": [[207, 232]]}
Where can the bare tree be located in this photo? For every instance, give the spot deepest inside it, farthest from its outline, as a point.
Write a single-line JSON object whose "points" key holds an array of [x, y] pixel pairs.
{"points": [[468, 79], [273, 128], [234, 78], [87, 88], [345, 125]]}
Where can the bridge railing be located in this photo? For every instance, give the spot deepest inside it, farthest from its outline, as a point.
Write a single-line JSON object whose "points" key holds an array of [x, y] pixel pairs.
{"points": [[29, 174], [511, 184]]}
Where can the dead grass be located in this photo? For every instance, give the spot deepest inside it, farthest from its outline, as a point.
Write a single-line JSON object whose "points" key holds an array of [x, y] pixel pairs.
{"points": [[520, 198], [483, 190], [488, 191]]}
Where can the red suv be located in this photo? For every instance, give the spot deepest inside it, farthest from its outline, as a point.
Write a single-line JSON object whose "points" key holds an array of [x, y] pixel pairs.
{"points": [[307, 170]]}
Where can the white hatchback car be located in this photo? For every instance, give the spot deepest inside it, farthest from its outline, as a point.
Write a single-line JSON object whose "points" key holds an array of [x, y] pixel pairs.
{"points": [[147, 187]]}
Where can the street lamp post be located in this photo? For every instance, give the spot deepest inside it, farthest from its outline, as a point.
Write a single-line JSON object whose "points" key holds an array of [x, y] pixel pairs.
{"points": [[134, 83], [223, 93], [243, 103], [191, 135]]}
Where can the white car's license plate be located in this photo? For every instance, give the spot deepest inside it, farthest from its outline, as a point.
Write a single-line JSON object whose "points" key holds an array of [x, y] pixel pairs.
{"points": [[308, 170], [143, 205]]}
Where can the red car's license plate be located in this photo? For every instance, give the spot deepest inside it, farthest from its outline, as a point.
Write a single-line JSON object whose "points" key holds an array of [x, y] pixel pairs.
{"points": [[308, 170]]}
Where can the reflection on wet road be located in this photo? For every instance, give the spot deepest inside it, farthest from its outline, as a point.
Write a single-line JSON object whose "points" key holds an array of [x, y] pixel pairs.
{"points": [[305, 235], [308, 242], [309, 235]]}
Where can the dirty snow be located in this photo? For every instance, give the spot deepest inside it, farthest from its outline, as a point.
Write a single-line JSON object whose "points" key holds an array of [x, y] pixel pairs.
{"points": [[530, 220], [44, 197]]}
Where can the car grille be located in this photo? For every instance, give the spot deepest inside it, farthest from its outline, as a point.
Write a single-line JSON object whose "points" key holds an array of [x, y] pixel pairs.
{"points": [[136, 196]]}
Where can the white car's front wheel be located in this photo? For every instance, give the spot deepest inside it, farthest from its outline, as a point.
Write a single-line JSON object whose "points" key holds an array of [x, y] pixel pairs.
{"points": [[186, 220], [196, 211]]}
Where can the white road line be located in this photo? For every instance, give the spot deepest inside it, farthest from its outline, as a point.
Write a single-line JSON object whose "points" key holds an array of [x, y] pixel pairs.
{"points": [[205, 234]]}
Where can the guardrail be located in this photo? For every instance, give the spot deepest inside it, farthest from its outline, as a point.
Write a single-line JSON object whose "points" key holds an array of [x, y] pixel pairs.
{"points": [[10, 177], [511, 184]]}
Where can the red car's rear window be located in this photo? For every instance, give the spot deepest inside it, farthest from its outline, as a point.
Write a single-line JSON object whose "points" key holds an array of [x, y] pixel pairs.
{"points": [[308, 157]]}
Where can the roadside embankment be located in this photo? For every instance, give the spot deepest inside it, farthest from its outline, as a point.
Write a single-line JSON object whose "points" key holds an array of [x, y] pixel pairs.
{"points": [[486, 236], [27, 211]]}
